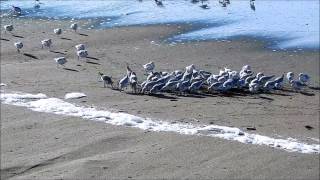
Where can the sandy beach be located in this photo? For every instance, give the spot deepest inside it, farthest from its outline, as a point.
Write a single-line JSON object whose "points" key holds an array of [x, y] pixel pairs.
{"points": [[38, 145]]}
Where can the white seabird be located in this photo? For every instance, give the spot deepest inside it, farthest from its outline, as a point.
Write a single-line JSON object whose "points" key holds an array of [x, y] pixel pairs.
{"points": [[149, 67], [106, 79], [123, 82], [80, 47], [82, 54], [18, 46], [74, 26], [304, 78], [190, 68], [290, 76], [60, 61], [133, 80], [57, 31], [8, 28], [46, 43]]}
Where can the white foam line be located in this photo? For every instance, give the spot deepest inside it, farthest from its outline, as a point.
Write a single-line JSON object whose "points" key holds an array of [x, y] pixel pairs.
{"points": [[40, 103], [74, 95]]}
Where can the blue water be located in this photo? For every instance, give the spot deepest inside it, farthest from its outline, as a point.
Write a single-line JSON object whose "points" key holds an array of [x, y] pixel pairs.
{"points": [[285, 24]]}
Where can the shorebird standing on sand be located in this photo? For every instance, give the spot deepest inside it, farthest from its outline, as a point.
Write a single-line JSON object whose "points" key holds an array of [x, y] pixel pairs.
{"points": [[82, 54], [57, 31], [106, 79], [74, 27], [8, 28], [46, 43], [304, 78], [80, 47], [18, 46], [60, 61], [149, 67]]}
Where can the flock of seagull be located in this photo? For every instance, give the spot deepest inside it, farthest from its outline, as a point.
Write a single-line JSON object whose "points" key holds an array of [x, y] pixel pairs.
{"points": [[47, 43], [191, 80]]}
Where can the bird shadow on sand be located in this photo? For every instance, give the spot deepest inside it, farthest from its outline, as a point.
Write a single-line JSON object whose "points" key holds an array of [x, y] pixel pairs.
{"points": [[278, 93], [314, 88], [93, 58], [81, 34], [162, 96], [66, 39], [266, 98], [69, 69], [307, 94], [3, 39], [90, 62], [57, 52], [30, 55], [17, 36]]}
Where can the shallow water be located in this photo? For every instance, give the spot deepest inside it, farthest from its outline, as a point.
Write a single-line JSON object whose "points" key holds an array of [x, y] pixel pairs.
{"points": [[284, 24]]}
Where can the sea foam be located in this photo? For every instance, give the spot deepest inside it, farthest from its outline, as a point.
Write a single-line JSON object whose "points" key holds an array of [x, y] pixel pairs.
{"points": [[74, 95], [41, 103]]}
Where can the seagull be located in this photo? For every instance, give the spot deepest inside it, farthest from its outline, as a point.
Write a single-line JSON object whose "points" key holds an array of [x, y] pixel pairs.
{"points": [[253, 87], [106, 79], [60, 61], [234, 75], [304, 78], [8, 28], [74, 27], [205, 74], [170, 85], [46, 43], [149, 67], [269, 85], [183, 86], [278, 82], [228, 84], [57, 31], [123, 82], [156, 88], [18, 45], [158, 2], [82, 54], [148, 85], [222, 79], [248, 80], [296, 84], [290, 76], [259, 75], [186, 76], [189, 69], [195, 86], [133, 80], [16, 10], [80, 47], [264, 79], [216, 86]]}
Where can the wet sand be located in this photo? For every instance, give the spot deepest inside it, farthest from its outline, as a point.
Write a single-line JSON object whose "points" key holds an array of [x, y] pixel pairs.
{"points": [[38, 145]]}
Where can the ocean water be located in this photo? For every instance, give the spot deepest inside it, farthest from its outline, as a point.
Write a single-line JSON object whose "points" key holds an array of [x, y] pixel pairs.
{"points": [[284, 24]]}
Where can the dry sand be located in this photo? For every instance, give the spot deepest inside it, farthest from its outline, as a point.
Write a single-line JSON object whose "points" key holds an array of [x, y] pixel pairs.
{"points": [[45, 146]]}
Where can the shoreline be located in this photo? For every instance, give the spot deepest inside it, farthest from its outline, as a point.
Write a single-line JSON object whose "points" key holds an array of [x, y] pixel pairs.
{"points": [[267, 43]]}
